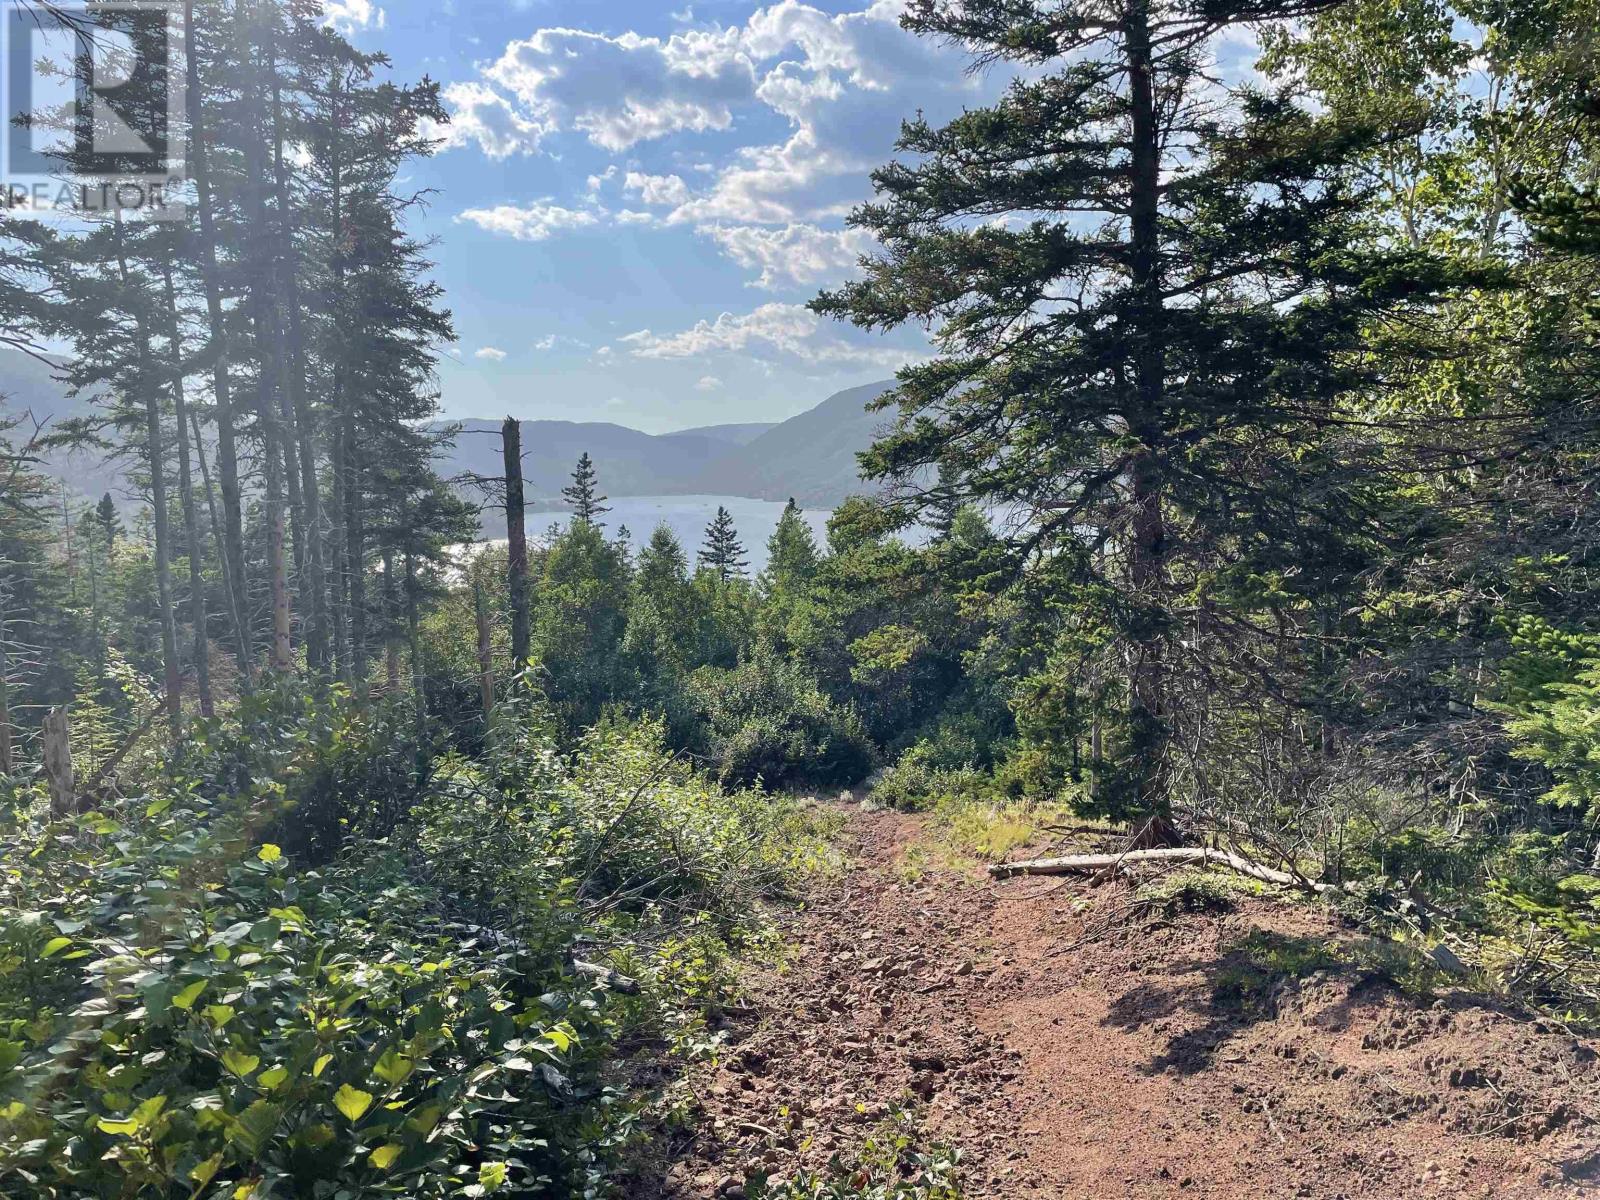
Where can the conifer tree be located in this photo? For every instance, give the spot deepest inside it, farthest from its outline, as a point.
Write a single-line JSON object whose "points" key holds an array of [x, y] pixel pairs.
{"points": [[791, 552], [1147, 296], [583, 494], [722, 554]]}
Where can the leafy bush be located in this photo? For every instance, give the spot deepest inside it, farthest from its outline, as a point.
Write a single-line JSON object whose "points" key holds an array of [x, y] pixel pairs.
{"points": [[767, 720], [185, 1011]]}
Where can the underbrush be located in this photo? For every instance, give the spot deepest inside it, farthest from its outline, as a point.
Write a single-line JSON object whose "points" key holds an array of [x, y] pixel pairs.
{"points": [[766, 721], [187, 1009], [891, 1165], [1262, 960]]}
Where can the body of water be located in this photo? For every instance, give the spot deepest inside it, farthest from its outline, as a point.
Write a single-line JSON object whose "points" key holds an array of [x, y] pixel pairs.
{"points": [[687, 517]]}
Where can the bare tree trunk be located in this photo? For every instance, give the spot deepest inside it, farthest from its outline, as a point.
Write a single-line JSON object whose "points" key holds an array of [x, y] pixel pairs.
{"points": [[191, 518], [58, 761], [480, 608], [516, 542], [227, 451]]}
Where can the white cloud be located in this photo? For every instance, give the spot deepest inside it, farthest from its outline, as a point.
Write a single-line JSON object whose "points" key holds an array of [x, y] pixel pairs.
{"points": [[624, 90], [772, 330], [842, 83], [480, 114], [669, 190], [349, 16], [532, 224], [796, 253], [490, 353], [551, 340], [707, 383]]}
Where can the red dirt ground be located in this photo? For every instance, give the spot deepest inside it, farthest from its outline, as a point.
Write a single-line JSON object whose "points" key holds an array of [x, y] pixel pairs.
{"points": [[1127, 1067]]}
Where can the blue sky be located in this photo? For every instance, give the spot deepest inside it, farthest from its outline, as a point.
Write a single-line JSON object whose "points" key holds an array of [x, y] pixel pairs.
{"points": [[635, 200]]}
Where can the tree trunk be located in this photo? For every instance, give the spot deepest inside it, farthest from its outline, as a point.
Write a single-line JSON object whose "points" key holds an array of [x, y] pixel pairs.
{"points": [[1147, 544], [516, 543], [155, 457], [8, 760], [419, 695], [392, 618], [355, 554], [267, 356], [227, 451], [480, 610], [314, 584], [191, 518], [58, 762], [339, 593]]}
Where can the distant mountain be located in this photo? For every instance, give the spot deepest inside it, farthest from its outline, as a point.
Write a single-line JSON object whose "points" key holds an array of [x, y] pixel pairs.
{"points": [[630, 463], [810, 457], [734, 435]]}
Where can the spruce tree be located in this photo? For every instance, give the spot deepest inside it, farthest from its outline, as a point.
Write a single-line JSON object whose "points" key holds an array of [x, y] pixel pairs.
{"points": [[791, 551], [110, 521], [583, 494], [1147, 302], [722, 554]]}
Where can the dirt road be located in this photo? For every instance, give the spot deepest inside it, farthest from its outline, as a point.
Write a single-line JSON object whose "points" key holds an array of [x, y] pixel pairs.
{"points": [[1071, 1044]]}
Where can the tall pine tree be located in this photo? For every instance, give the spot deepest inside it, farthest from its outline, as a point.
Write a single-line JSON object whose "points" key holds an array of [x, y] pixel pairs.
{"points": [[722, 554], [583, 494], [1146, 307]]}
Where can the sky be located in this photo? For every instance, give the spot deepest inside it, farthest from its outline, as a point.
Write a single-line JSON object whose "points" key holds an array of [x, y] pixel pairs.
{"points": [[634, 201]]}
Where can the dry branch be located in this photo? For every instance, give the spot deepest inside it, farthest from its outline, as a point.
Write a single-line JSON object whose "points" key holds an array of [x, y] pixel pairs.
{"points": [[1089, 864]]}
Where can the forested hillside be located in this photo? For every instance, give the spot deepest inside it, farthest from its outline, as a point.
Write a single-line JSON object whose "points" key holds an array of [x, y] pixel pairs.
{"points": [[1229, 559]]}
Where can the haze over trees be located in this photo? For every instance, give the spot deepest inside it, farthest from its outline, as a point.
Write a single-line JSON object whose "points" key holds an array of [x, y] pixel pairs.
{"points": [[1244, 506]]}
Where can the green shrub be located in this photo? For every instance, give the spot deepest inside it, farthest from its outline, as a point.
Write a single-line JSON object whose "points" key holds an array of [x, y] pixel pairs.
{"points": [[187, 1011], [914, 783], [767, 720]]}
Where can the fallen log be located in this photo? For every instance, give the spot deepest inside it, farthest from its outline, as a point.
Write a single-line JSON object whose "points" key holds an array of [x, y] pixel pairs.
{"points": [[1088, 864], [615, 980]]}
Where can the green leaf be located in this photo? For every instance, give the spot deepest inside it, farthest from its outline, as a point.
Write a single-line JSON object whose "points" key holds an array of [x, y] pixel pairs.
{"points": [[383, 1157], [240, 1063], [491, 1175], [187, 997], [269, 853], [393, 1068], [55, 946], [352, 1102], [321, 1065], [154, 809], [272, 1078], [218, 1014], [125, 1128], [254, 1127], [204, 1172]]}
